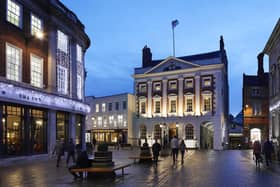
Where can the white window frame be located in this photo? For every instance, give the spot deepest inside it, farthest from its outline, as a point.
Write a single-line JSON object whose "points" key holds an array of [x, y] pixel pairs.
{"points": [[79, 87], [34, 72], [62, 41], [96, 108], [14, 9], [205, 96], [187, 97], [13, 61], [140, 107], [99, 120], [62, 80], [79, 53], [170, 83], [36, 25], [103, 107], [155, 100]]}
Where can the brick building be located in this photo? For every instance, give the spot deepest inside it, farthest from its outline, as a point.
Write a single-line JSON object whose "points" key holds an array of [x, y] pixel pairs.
{"points": [[255, 105], [42, 46]]}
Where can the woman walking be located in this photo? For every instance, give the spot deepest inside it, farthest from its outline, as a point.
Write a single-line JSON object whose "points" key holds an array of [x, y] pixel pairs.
{"points": [[257, 152], [183, 148]]}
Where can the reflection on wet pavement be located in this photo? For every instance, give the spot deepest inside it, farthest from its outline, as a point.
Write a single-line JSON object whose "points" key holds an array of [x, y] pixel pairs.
{"points": [[201, 168]]}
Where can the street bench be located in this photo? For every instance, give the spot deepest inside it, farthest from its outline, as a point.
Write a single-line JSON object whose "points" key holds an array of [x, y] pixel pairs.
{"points": [[101, 169], [140, 158]]}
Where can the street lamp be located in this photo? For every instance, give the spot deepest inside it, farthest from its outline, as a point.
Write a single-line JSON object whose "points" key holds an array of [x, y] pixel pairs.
{"points": [[39, 35]]}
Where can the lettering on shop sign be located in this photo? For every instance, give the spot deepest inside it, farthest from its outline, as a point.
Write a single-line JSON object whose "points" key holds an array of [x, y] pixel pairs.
{"points": [[29, 98]]}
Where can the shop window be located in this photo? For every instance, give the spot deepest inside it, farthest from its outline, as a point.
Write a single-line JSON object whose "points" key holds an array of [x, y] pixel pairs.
{"points": [[62, 126]]}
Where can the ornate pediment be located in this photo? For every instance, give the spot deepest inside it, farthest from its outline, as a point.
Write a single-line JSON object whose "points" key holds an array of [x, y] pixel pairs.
{"points": [[171, 64]]}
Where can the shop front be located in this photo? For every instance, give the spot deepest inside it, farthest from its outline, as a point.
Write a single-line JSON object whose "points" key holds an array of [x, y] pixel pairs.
{"points": [[110, 136]]}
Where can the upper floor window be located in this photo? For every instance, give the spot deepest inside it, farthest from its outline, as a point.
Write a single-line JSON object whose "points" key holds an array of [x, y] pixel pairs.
{"points": [[13, 62], [96, 107], [36, 26], [117, 106], [257, 108], [157, 86], [207, 102], [172, 85], [111, 119], [103, 107], [62, 41], [173, 106], [255, 92], [157, 106], [120, 119], [110, 106], [142, 88], [36, 71], [62, 80], [189, 104], [206, 81], [14, 13], [79, 86], [189, 83], [124, 105], [99, 120], [79, 53], [142, 107]]}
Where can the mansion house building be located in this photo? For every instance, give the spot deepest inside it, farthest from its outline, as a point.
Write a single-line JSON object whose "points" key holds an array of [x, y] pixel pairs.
{"points": [[183, 96], [42, 47]]}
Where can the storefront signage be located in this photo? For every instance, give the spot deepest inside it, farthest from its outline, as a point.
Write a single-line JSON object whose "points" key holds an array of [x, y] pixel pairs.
{"points": [[11, 92]]}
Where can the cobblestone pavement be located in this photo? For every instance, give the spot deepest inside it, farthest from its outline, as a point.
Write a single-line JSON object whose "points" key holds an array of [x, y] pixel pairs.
{"points": [[201, 168]]}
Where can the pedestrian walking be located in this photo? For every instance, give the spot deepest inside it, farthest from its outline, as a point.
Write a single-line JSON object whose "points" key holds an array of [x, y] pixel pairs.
{"points": [[59, 151], [257, 153], [82, 162], [174, 146], [268, 150], [93, 143], [156, 148], [70, 151], [119, 141], [183, 149]]}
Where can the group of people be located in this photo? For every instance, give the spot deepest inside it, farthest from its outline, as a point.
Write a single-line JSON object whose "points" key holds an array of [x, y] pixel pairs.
{"points": [[267, 149], [82, 156], [175, 147]]}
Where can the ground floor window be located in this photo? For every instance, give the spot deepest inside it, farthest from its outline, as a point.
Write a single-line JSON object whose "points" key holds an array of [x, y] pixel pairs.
{"points": [[23, 130], [62, 124], [255, 135], [110, 136], [189, 132], [157, 132], [143, 132]]}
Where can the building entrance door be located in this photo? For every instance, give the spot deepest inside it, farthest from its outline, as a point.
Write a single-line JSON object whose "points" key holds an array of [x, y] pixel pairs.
{"points": [[172, 131], [206, 136]]}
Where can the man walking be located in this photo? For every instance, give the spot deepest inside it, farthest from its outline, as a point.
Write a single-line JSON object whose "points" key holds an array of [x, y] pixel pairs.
{"points": [[70, 151], [156, 149], [268, 150], [174, 146], [59, 150]]}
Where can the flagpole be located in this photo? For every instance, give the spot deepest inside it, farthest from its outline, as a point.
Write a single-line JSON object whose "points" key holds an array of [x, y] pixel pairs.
{"points": [[173, 42]]}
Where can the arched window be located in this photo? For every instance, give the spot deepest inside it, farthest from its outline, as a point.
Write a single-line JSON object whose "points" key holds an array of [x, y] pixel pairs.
{"points": [[189, 132], [157, 132], [143, 132]]}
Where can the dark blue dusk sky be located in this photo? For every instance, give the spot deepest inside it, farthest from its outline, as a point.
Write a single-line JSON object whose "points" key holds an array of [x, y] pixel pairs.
{"points": [[119, 29]]}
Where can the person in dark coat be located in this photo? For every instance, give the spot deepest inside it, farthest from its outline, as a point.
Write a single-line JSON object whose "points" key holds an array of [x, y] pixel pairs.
{"points": [[82, 162], [156, 148], [93, 143], [70, 151], [59, 151], [268, 150], [183, 149]]}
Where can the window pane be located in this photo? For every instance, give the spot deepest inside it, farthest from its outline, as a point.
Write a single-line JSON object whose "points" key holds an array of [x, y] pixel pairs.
{"points": [[79, 53], [62, 81], [14, 13], [13, 62], [36, 25], [36, 71], [62, 41], [79, 87]]}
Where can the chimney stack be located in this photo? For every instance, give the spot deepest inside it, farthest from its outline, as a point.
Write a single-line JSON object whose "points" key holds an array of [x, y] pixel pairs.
{"points": [[260, 64], [146, 57], [222, 45]]}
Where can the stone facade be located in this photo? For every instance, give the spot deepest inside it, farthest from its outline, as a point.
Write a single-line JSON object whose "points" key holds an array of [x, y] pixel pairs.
{"points": [[183, 96]]}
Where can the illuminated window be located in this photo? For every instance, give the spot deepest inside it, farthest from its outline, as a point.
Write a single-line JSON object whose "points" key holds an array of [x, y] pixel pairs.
{"points": [[14, 13], [206, 81], [96, 107], [79, 87], [79, 53], [99, 121], [62, 41], [173, 106], [189, 83], [36, 25], [207, 103], [157, 132], [189, 104], [189, 132], [111, 119], [120, 119], [157, 86], [62, 80], [103, 107], [142, 88], [143, 107], [36, 71], [13, 62], [143, 132], [157, 106], [172, 85]]}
